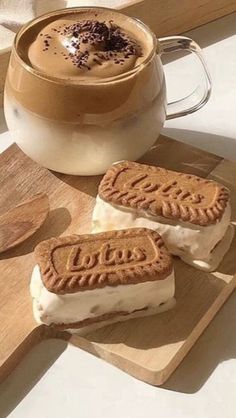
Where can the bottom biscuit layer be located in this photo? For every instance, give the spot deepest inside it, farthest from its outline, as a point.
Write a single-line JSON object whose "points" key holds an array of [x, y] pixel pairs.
{"points": [[89, 321], [92, 324]]}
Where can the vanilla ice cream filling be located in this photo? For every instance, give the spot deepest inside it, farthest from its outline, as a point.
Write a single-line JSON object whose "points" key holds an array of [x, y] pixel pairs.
{"points": [[50, 308], [188, 241]]}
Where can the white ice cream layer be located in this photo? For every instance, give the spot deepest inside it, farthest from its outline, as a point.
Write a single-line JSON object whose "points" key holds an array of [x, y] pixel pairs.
{"points": [[51, 308], [189, 241]]}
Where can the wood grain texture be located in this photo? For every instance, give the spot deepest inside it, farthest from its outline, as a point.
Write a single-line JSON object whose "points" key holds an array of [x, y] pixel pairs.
{"points": [[22, 221], [148, 348], [164, 17], [4, 60], [171, 17]]}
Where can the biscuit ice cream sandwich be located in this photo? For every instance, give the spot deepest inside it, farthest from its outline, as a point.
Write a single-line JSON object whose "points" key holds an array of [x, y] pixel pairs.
{"points": [[88, 281], [191, 214]]}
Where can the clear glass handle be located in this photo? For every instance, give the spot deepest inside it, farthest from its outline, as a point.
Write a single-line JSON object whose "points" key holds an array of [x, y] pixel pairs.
{"points": [[200, 96]]}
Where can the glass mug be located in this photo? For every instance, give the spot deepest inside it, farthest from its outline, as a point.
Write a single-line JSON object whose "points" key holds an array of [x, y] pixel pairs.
{"points": [[82, 127]]}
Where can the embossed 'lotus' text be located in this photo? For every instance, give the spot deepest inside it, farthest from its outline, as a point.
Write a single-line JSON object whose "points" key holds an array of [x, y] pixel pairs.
{"points": [[85, 262], [161, 192], [106, 256]]}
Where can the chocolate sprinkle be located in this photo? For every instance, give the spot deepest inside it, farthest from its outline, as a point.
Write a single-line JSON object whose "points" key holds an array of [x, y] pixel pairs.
{"points": [[106, 37]]}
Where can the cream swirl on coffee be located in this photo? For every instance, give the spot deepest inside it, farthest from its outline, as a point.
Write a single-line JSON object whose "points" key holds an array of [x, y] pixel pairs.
{"points": [[85, 45]]}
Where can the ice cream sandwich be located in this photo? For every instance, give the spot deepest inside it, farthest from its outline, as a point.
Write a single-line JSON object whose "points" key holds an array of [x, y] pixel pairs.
{"points": [[191, 214], [88, 281]]}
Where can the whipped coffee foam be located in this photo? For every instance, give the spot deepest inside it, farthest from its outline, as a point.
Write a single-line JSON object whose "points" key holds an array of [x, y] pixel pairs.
{"points": [[88, 43], [83, 63], [71, 48]]}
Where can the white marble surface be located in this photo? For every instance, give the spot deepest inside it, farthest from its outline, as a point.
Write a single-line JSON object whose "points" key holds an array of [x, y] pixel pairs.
{"points": [[56, 380]]}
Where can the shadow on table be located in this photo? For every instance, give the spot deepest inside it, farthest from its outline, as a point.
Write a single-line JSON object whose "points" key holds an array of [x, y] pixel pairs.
{"points": [[206, 35], [215, 31], [216, 345], [28, 373], [152, 338], [3, 125], [184, 154], [85, 184], [221, 145], [58, 220]]}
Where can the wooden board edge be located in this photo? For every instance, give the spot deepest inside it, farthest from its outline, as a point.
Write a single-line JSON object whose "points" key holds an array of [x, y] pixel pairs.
{"points": [[1, 98], [116, 360], [33, 338], [199, 329], [37, 335], [150, 376]]}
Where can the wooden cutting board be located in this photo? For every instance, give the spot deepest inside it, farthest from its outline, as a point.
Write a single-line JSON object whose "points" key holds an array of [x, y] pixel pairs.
{"points": [[148, 348]]}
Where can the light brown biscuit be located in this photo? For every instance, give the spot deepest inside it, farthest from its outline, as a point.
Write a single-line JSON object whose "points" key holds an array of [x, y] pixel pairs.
{"points": [[161, 192], [86, 262]]}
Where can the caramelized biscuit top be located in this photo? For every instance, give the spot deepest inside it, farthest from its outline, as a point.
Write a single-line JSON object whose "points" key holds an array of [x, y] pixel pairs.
{"points": [[86, 262], [161, 192]]}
